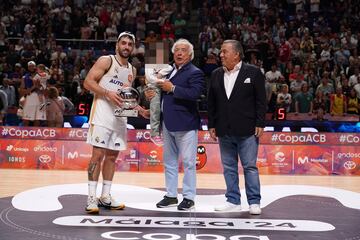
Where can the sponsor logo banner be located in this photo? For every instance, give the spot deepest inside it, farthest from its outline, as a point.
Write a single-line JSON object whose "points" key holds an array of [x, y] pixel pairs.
{"points": [[289, 155]]}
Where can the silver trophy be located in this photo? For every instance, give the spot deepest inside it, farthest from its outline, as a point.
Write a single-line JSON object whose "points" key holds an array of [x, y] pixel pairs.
{"points": [[131, 99]]}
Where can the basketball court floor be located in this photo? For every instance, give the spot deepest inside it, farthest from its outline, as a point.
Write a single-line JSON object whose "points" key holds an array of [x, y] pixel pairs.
{"points": [[49, 204]]}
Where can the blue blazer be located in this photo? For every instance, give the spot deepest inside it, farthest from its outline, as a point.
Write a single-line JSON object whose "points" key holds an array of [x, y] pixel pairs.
{"points": [[179, 109]]}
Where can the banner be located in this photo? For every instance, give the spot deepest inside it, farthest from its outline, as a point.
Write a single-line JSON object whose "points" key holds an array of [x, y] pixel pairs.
{"points": [[279, 152]]}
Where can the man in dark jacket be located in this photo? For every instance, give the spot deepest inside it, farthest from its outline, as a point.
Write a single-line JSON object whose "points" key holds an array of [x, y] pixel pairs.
{"points": [[236, 108]]}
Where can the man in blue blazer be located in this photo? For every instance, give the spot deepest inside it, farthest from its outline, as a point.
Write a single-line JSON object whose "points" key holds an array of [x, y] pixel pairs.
{"points": [[236, 109], [181, 121]]}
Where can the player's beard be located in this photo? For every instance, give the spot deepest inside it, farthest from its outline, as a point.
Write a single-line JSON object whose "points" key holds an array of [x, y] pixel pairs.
{"points": [[124, 53]]}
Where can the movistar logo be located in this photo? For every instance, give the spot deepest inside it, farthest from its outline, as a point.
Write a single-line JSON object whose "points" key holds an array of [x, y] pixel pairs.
{"points": [[303, 160], [73, 155]]}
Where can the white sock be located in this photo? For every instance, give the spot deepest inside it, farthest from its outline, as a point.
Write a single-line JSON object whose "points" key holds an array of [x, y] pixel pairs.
{"points": [[92, 188], [106, 188]]}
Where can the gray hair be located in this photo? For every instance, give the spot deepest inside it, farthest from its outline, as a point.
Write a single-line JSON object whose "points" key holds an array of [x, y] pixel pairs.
{"points": [[184, 41], [236, 46]]}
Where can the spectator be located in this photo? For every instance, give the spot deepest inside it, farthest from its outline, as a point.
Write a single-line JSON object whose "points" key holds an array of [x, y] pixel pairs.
{"points": [[295, 86], [55, 109], [284, 53], [3, 105], [344, 84], [296, 74], [151, 38], [357, 88], [341, 56], [313, 81], [139, 48], [111, 32], [304, 101], [353, 80], [353, 103], [144, 102], [10, 92], [93, 22], [338, 103], [319, 103], [273, 76], [29, 91], [167, 31], [213, 50], [284, 98], [204, 40], [320, 115], [179, 26], [211, 64]]}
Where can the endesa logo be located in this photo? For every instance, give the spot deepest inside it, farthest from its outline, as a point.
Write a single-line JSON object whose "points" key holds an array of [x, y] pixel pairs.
{"points": [[348, 155], [45, 149]]}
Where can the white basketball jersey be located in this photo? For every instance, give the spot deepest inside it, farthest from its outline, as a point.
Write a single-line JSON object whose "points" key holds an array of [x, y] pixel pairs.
{"points": [[102, 111]]}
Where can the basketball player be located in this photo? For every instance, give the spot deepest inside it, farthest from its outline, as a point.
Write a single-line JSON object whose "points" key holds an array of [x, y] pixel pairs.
{"points": [[107, 133]]}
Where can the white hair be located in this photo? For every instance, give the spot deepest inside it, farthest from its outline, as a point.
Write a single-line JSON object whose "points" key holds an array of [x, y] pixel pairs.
{"points": [[184, 41]]}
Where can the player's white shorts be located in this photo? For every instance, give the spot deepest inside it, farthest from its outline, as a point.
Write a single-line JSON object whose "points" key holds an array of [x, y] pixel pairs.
{"points": [[106, 138], [31, 109]]}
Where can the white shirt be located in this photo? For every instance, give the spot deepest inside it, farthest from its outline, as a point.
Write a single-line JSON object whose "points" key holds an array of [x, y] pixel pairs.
{"points": [[272, 76], [230, 78], [353, 80], [176, 69], [357, 90]]}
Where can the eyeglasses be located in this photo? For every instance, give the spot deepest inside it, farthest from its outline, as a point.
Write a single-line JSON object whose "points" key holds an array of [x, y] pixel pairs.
{"points": [[126, 33]]}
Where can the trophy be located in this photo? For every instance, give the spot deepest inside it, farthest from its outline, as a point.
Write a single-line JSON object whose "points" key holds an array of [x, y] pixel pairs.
{"points": [[131, 99]]}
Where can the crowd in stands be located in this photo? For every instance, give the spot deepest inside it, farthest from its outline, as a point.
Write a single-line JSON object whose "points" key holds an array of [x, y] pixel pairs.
{"points": [[67, 36], [307, 49]]}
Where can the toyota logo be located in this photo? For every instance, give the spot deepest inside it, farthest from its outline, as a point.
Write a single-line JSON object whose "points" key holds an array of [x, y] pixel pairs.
{"points": [[349, 165], [44, 158]]}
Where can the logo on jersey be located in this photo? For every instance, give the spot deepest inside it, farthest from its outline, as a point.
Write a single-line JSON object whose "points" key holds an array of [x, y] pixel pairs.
{"points": [[117, 82], [130, 78]]}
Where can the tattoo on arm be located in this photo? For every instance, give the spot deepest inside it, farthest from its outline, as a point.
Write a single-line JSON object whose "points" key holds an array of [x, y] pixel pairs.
{"points": [[91, 170]]}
